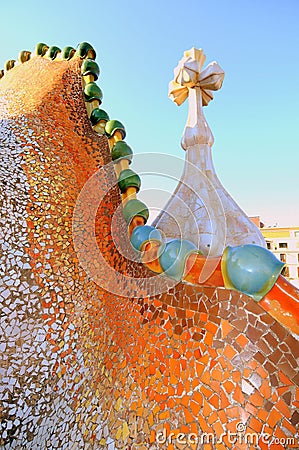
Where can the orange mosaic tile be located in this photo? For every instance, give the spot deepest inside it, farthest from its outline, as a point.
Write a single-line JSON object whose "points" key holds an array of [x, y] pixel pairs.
{"points": [[251, 409]]}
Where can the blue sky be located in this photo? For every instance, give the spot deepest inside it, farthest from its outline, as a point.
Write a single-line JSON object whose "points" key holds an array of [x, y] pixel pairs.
{"points": [[254, 117]]}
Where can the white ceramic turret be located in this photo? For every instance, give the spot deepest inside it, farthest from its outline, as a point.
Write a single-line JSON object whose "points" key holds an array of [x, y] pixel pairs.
{"points": [[200, 208]]}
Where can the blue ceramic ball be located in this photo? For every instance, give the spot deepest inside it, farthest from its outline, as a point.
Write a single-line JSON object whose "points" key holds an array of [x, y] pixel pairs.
{"points": [[144, 233], [251, 269], [173, 257]]}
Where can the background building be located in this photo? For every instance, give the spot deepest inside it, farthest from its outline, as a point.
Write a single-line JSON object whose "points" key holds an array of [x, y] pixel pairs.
{"points": [[284, 243]]}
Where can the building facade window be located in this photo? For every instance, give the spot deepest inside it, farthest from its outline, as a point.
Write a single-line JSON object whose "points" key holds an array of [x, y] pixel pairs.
{"points": [[283, 245], [283, 257], [269, 246], [285, 272]]}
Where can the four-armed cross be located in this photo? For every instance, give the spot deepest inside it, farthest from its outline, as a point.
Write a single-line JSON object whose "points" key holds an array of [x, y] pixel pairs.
{"points": [[190, 80]]}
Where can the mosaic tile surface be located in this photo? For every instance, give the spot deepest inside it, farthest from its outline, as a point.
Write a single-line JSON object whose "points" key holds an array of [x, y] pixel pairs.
{"points": [[84, 367]]}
